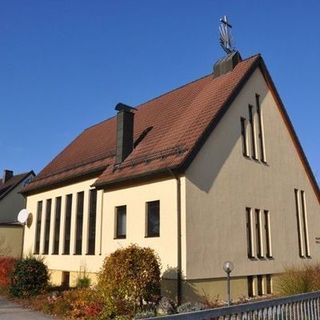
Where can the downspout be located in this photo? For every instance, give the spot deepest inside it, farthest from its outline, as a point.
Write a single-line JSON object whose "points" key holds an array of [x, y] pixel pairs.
{"points": [[179, 255]]}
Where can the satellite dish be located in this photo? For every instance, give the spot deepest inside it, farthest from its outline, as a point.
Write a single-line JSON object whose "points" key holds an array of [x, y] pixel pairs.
{"points": [[23, 216]]}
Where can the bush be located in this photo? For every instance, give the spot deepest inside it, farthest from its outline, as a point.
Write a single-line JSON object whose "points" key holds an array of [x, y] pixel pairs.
{"points": [[79, 304], [30, 277], [129, 279], [83, 282], [299, 280], [7, 265]]}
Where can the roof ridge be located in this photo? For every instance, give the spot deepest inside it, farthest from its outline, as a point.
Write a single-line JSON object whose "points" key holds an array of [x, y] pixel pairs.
{"points": [[167, 92]]}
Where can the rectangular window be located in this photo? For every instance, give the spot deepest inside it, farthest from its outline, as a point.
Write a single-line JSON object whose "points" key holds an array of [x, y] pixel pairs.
{"points": [[305, 224], [67, 227], [260, 285], [79, 222], [250, 287], [92, 221], [249, 233], [261, 133], [269, 283], [121, 222], [253, 133], [47, 227], [299, 224], [38, 228], [153, 219], [268, 233], [244, 137], [56, 234], [258, 234]]}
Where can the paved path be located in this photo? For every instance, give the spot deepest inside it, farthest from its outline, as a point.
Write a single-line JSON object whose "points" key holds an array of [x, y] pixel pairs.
{"points": [[12, 311]]}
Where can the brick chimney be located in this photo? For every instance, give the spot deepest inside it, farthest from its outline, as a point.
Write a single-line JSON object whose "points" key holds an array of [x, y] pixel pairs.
{"points": [[7, 174]]}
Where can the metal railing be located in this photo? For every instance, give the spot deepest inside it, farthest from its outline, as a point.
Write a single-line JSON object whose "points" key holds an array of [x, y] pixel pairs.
{"points": [[298, 307]]}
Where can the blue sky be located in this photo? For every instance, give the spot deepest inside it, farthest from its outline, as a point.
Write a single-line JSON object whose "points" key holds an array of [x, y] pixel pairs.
{"points": [[65, 64]]}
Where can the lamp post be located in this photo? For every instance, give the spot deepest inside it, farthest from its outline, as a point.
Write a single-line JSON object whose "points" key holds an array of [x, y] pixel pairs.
{"points": [[228, 267]]}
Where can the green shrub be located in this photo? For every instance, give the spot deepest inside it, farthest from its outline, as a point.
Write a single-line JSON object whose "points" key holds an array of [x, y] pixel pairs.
{"points": [[30, 277], [129, 279], [299, 280], [83, 282], [7, 265]]}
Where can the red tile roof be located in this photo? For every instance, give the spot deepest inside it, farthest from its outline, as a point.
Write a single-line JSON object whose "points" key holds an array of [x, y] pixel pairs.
{"points": [[178, 121]]}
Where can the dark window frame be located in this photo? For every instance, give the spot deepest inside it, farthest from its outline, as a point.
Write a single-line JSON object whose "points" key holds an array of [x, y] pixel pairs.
{"points": [[57, 225], [260, 134], [299, 224], [47, 227], [67, 226], [92, 222], [267, 226], [118, 220], [79, 223], [244, 138], [259, 243], [249, 233], [150, 205], [253, 133], [38, 228], [305, 224]]}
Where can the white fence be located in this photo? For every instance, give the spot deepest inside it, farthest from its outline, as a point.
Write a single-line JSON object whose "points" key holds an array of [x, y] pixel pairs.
{"points": [[298, 307]]}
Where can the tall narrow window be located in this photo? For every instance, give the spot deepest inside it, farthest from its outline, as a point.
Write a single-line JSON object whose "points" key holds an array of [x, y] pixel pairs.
{"points": [[253, 133], [305, 223], [79, 222], [260, 285], [67, 226], [153, 219], [250, 287], [56, 233], [47, 227], [268, 233], [299, 224], [92, 221], [38, 228], [258, 234], [121, 217], [261, 133], [249, 233], [244, 136], [269, 283]]}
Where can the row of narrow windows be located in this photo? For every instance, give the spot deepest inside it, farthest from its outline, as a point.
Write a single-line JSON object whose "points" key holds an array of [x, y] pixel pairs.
{"points": [[259, 285], [258, 227], [253, 148], [258, 233], [120, 230], [67, 224]]}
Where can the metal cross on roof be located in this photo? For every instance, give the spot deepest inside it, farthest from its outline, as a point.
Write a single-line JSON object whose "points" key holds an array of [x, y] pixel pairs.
{"points": [[225, 35]]}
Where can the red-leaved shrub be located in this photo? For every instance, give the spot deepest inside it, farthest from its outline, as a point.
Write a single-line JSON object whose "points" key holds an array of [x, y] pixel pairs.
{"points": [[7, 264]]}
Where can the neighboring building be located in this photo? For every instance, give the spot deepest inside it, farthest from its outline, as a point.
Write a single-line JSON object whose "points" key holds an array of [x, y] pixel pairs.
{"points": [[11, 202], [209, 172]]}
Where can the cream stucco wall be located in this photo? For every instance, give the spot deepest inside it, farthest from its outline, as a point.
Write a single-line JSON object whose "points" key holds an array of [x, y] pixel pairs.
{"points": [[221, 183], [135, 199]]}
